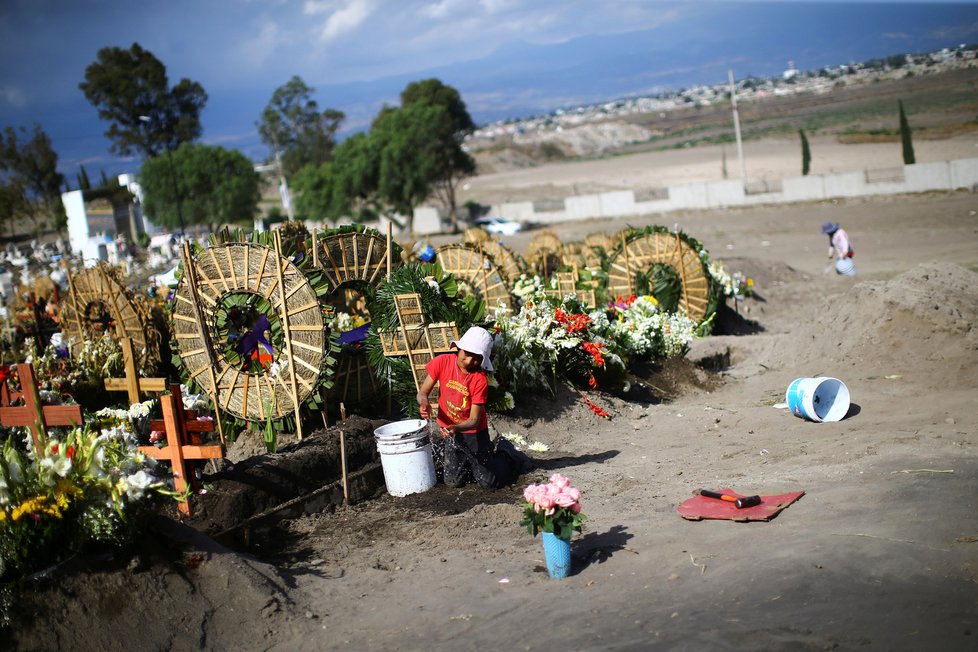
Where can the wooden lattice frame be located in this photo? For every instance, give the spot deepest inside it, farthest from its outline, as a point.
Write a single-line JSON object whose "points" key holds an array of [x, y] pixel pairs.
{"points": [[475, 235], [102, 286], [354, 257], [244, 267], [544, 253], [601, 241], [580, 255], [509, 264], [639, 254], [477, 269], [418, 341]]}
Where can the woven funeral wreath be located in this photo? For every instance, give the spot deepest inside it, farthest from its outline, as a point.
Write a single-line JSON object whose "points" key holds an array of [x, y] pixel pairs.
{"points": [[250, 331]]}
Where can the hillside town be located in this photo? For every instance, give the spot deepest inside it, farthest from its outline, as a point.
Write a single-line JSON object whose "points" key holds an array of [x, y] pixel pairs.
{"points": [[791, 82]]}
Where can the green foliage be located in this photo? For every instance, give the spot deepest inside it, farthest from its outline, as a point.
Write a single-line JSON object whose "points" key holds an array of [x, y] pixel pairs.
{"points": [[806, 154], [905, 137], [30, 184], [293, 126], [450, 130], [126, 84], [439, 302], [213, 186]]}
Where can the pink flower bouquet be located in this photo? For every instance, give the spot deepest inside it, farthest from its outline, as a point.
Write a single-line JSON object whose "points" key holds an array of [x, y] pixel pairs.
{"points": [[553, 507]]}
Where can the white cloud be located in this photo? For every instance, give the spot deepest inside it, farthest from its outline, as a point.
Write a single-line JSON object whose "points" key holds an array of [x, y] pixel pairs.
{"points": [[258, 49], [13, 96], [442, 9], [346, 20]]}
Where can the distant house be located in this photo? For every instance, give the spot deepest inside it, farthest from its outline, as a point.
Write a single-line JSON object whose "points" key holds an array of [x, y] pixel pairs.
{"points": [[104, 222]]}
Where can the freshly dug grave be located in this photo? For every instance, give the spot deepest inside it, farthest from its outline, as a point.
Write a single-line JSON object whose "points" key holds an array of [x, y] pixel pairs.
{"points": [[265, 481]]}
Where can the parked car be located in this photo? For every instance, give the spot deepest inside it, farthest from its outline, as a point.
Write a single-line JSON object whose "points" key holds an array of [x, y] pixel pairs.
{"points": [[499, 225]]}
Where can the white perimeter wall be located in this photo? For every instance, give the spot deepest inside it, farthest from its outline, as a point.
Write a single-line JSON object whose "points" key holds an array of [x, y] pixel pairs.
{"points": [[924, 177]]}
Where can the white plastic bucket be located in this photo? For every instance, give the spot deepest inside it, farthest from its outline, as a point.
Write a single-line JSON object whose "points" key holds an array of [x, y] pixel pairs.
{"points": [[405, 455], [845, 267], [818, 399]]}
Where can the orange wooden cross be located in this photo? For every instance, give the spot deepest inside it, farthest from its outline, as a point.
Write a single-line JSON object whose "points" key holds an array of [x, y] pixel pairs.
{"points": [[33, 414], [183, 442], [132, 383]]}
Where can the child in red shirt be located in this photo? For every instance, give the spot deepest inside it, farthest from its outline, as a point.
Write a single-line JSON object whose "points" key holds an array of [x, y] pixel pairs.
{"points": [[462, 395]]}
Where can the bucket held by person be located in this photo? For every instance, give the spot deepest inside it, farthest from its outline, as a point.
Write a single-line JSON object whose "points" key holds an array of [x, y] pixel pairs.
{"points": [[818, 399]]}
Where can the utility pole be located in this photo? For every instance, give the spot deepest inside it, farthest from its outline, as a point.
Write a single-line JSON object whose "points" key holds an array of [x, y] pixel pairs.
{"points": [[736, 121]]}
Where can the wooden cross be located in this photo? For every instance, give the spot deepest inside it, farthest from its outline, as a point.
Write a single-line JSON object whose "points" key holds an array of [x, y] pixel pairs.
{"points": [[131, 382], [183, 442], [33, 414], [419, 341]]}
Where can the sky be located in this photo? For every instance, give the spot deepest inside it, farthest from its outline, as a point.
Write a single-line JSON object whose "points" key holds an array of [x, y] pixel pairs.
{"points": [[507, 58]]}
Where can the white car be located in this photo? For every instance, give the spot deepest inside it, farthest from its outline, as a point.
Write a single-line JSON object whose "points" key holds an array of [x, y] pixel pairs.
{"points": [[499, 225]]}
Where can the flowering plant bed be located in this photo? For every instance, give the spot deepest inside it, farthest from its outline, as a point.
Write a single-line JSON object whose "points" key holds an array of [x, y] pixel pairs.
{"points": [[554, 507], [86, 488]]}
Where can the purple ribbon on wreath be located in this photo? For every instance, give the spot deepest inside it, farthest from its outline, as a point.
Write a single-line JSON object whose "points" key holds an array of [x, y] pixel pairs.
{"points": [[250, 340]]}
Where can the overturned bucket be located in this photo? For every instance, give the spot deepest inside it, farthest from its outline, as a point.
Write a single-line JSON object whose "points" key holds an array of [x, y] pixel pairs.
{"points": [[818, 399], [405, 455]]}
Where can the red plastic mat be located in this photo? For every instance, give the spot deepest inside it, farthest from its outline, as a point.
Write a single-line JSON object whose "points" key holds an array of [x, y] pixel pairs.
{"points": [[699, 507]]}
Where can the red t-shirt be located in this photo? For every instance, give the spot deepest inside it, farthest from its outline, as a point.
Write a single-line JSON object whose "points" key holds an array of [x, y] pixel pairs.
{"points": [[458, 391]]}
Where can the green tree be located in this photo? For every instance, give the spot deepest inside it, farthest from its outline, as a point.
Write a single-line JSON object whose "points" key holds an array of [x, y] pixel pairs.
{"points": [[84, 183], [906, 137], [454, 163], [410, 141], [127, 85], [293, 127], [806, 154], [30, 177], [345, 187], [214, 186]]}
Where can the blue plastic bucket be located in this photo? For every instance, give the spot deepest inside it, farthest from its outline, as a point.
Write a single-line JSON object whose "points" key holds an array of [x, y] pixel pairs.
{"points": [[818, 399], [557, 553], [424, 251]]}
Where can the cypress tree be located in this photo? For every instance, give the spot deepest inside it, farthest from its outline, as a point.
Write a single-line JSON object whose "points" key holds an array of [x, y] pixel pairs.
{"points": [[84, 183], [905, 137], [806, 154]]}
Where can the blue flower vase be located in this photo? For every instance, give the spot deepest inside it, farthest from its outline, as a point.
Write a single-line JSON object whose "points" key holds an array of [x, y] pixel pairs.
{"points": [[558, 556]]}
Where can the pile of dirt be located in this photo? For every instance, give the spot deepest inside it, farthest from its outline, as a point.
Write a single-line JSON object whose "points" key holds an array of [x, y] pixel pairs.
{"points": [[182, 591], [921, 321]]}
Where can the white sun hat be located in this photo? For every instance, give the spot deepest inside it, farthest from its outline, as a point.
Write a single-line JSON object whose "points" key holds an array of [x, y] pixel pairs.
{"points": [[478, 341]]}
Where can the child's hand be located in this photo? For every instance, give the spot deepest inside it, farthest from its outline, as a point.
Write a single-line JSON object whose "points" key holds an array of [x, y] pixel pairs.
{"points": [[447, 431], [425, 410]]}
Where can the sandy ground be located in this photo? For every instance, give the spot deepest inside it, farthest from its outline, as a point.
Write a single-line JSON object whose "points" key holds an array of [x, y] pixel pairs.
{"points": [[881, 553]]}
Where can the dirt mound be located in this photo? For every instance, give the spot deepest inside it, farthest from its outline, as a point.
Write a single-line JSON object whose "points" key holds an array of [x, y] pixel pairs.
{"points": [[921, 320], [182, 592]]}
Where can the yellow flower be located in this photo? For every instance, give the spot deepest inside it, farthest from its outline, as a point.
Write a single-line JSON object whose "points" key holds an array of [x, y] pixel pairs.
{"points": [[36, 505], [3, 516], [64, 491]]}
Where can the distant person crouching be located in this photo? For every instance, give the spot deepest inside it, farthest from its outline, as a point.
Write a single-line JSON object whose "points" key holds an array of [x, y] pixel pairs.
{"points": [[839, 248]]}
